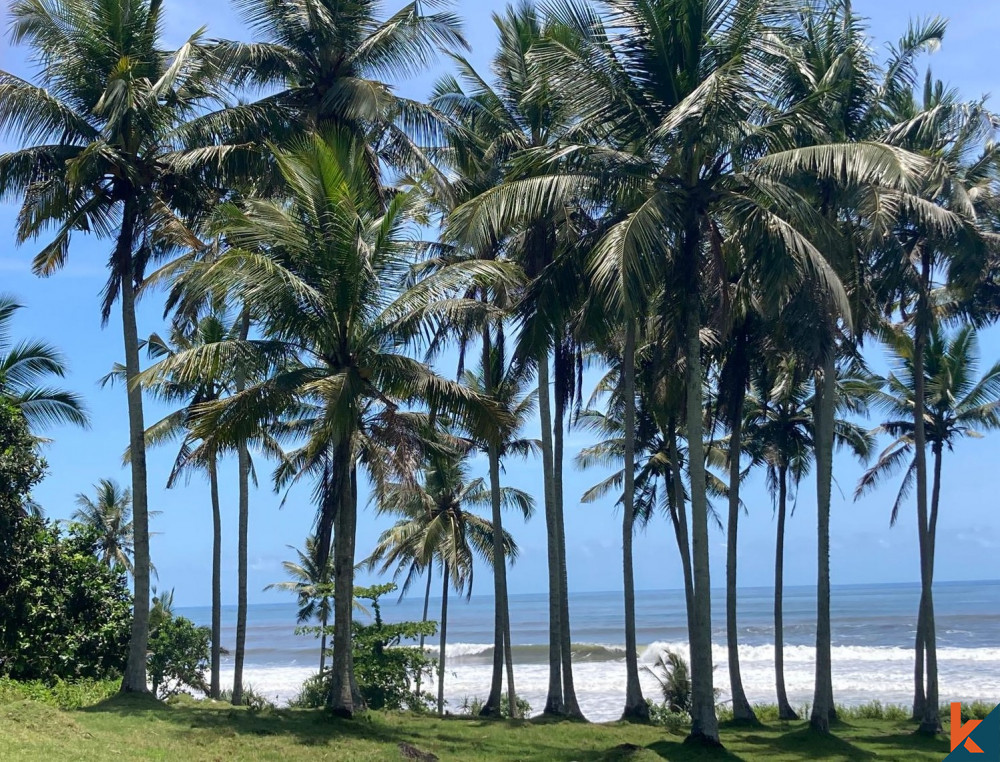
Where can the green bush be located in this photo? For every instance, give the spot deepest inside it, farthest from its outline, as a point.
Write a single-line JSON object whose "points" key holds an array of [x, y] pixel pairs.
{"points": [[313, 693], [66, 615], [661, 714], [385, 671], [474, 706], [179, 652], [252, 700]]}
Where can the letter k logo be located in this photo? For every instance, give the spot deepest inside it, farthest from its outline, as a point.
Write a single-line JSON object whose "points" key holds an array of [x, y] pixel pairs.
{"points": [[960, 732]]}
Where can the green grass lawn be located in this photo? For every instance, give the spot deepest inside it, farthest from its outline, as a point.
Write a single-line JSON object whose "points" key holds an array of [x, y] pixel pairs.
{"points": [[136, 728]]}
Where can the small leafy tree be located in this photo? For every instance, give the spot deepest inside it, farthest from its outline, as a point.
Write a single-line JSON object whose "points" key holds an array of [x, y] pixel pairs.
{"points": [[386, 674], [674, 677], [179, 650]]}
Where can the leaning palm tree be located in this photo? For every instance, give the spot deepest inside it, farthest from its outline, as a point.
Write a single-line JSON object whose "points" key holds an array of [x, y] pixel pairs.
{"points": [[325, 270], [312, 582], [958, 403], [109, 515], [24, 367], [102, 131]]}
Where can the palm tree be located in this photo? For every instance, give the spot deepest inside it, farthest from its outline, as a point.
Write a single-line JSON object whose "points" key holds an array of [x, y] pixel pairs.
{"points": [[109, 515], [507, 386], [23, 369], [515, 113], [840, 95], [323, 65], [192, 454], [780, 435], [957, 405], [102, 132], [325, 271], [435, 528], [951, 234], [312, 582], [674, 98]]}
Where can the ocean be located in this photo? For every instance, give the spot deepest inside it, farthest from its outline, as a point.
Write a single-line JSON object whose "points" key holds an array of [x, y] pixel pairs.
{"points": [[873, 631]]}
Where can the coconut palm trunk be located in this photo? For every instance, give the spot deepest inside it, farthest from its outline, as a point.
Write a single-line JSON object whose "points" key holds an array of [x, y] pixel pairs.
{"points": [[322, 645], [134, 679], [344, 697], [704, 724], [243, 474], [443, 643], [681, 528], [823, 709], [636, 709], [930, 722], [423, 619], [492, 705], [742, 711], [572, 707], [213, 478], [785, 711], [554, 699], [513, 711]]}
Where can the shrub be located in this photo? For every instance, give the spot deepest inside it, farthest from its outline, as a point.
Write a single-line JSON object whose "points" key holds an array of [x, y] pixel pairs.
{"points": [[64, 614], [313, 693], [252, 700], [674, 677], [660, 714], [387, 673], [474, 706], [179, 651]]}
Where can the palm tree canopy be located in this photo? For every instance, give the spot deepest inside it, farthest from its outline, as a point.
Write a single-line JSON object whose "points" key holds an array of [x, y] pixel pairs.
{"points": [[959, 403], [24, 369], [109, 514]]}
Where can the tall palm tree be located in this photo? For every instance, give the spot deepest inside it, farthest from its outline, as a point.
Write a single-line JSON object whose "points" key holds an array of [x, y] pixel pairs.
{"points": [[109, 514], [325, 271], [839, 94], [194, 454], [436, 528], [780, 435], [957, 404], [518, 111], [507, 386], [24, 368], [951, 235], [102, 133], [312, 582]]}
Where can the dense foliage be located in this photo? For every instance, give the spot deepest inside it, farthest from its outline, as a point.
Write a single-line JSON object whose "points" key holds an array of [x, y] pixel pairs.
{"points": [[21, 469], [63, 613]]}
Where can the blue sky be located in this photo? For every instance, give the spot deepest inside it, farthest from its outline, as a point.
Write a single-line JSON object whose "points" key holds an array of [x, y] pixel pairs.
{"points": [[64, 309]]}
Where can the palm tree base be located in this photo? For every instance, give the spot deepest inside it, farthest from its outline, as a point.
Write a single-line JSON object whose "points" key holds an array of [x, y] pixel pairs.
{"points": [[787, 713], [342, 712], [638, 713], [703, 741], [746, 722], [490, 710], [929, 728]]}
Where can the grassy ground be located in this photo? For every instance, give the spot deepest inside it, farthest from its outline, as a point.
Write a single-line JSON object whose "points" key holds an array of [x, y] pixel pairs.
{"points": [[136, 728]]}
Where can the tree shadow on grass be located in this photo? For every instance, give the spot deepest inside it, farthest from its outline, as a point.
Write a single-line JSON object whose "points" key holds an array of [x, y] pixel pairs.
{"points": [[678, 751], [808, 744]]}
